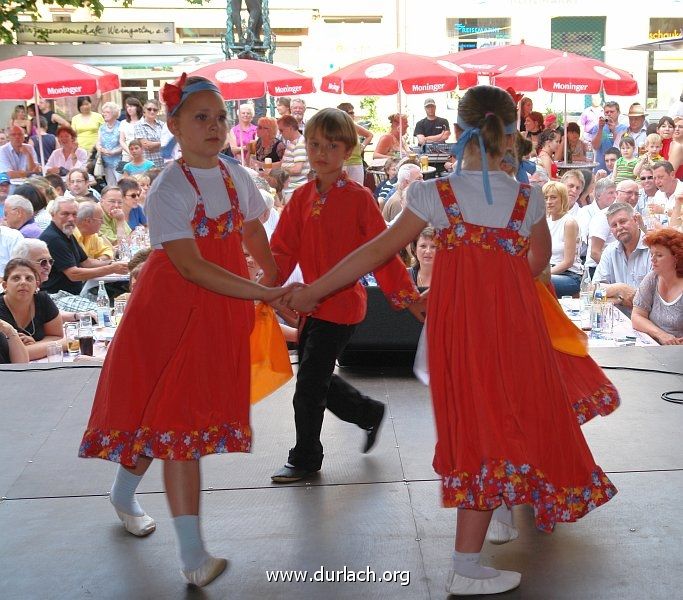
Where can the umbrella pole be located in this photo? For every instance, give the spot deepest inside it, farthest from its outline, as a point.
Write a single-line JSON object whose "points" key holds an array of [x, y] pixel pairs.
{"points": [[40, 137], [566, 143]]}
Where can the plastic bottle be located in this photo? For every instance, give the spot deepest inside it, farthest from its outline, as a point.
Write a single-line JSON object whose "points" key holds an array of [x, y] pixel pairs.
{"points": [[103, 309], [586, 290]]}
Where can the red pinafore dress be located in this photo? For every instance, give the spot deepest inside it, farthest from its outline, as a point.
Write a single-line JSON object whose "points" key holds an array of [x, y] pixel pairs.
{"points": [[506, 430], [175, 382]]}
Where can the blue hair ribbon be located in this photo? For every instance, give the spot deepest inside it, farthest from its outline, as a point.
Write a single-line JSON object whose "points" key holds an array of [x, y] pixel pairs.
{"points": [[459, 150], [193, 88]]}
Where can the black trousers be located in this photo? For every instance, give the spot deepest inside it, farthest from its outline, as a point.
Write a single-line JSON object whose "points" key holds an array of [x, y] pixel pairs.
{"points": [[317, 388]]}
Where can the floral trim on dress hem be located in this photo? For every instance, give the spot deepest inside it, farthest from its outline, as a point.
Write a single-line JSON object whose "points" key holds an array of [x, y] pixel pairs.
{"points": [[602, 402], [500, 480], [403, 298], [125, 446]]}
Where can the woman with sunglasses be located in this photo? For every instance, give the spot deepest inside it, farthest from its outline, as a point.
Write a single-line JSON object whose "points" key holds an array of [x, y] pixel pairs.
{"points": [[148, 131], [135, 215], [31, 313]]}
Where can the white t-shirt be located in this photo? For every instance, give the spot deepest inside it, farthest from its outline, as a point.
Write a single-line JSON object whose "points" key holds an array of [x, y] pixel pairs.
{"points": [[557, 238], [666, 200], [599, 228], [425, 202], [171, 200]]}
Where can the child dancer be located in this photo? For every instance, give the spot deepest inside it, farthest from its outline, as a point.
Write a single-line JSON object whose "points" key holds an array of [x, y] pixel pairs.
{"points": [[506, 432], [163, 392], [325, 220]]}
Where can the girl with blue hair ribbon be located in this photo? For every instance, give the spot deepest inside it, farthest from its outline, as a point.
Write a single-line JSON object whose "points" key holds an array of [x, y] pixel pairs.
{"points": [[506, 432], [175, 382]]}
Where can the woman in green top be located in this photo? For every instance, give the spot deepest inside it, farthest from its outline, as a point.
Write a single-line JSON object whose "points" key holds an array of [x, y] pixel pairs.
{"points": [[354, 165]]}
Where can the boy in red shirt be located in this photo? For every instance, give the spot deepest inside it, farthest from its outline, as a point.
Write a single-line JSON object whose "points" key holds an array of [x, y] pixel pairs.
{"points": [[325, 220]]}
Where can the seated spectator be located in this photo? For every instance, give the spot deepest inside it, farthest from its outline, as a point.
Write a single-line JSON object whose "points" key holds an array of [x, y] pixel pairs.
{"points": [[565, 265], [19, 216], [626, 163], [72, 266], [57, 183], [78, 185], [4, 192], [576, 149], [135, 215], [270, 216], [145, 181], [423, 250], [652, 155], [665, 130], [16, 158], [394, 205], [114, 227], [9, 238], [38, 202], [295, 158], [12, 349], [71, 306], [68, 156], [31, 312], [599, 233], [548, 145], [388, 186], [611, 157], [533, 126], [268, 145], [658, 305], [138, 163], [392, 144], [626, 261], [668, 188], [88, 223]]}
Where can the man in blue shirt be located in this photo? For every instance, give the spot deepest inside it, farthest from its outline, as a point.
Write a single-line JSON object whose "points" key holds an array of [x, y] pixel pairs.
{"points": [[608, 133], [16, 158]]}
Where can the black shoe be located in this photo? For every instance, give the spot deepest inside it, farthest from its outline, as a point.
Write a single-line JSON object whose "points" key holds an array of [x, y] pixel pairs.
{"points": [[371, 432], [290, 474]]}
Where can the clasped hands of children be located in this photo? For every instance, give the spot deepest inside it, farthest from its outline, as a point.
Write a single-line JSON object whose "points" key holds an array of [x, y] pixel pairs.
{"points": [[300, 299]]}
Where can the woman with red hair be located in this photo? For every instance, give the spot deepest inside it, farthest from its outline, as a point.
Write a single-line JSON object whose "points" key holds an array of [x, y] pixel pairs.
{"points": [[533, 125], [658, 305]]}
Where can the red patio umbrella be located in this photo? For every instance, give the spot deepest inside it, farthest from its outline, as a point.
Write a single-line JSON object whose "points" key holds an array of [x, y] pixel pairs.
{"points": [[569, 74], [24, 77], [392, 73], [495, 59], [240, 79]]}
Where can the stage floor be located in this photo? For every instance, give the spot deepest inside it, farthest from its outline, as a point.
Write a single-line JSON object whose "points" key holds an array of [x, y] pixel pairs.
{"points": [[378, 512]]}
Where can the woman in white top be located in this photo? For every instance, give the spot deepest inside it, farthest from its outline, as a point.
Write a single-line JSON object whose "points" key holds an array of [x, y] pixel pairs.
{"points": [[68, 156], [565, 264], [133, 108]]}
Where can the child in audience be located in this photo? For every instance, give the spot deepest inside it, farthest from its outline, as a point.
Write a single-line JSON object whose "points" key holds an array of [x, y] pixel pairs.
{"points": [[138, 163], [626, 163], [653, 145]]}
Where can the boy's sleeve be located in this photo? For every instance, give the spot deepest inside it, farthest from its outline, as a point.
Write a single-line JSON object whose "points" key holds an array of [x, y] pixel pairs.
{"points": [[392, 277], [286, 241]]}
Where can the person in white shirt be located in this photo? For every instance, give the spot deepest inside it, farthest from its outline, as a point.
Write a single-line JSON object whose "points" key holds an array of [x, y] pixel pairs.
{"points": [[9, 238], [597, 227], [625, 261], [669, 187], [16, 158], [565, 265]]}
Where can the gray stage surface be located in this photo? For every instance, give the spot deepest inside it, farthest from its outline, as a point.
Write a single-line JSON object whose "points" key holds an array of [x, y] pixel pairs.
{"points": [[381, 511]]}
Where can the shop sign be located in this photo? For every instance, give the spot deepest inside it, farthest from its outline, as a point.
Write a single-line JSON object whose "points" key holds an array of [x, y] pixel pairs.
{"points": [[96, 32]]}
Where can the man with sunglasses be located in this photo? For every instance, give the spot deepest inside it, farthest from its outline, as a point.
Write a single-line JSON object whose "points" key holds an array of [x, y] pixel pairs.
{"points": [[148, 130], [88, 223], [648, 188]]}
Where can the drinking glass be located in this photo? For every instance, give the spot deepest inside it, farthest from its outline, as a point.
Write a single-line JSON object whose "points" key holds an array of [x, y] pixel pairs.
{"points": [[85, 338], [119, 308], [71, 335], [54, 352]]}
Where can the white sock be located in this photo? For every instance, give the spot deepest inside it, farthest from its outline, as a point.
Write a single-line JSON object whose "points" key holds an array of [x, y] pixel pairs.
{"points": [[503, 514], [123, 492], [190, 543], [467, 565]]}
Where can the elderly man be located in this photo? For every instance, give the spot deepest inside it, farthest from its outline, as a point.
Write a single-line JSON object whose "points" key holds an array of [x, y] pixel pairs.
{"points": [[19, 216], [297, 107], [608, 132], [78, 185], [4, 192], [625, 261], [637, 125], [668, 188], [295, 159], [72, 266], [599, 233], [394, 205], [16, 158], [627, 191], [431, 129], [88, 222], [114, 227], [70, 306]]}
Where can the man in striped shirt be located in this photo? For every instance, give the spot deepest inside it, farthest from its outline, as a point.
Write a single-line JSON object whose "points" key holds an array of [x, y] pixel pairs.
{"points": [[294, 160]]}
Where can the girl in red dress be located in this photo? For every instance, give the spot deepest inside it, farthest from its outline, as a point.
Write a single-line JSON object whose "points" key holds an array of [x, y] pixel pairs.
{"points": [[175, 383], [506, 431]]}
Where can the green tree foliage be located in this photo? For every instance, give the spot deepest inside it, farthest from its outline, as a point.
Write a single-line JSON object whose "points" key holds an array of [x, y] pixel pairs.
{"points": [[11, 10]]}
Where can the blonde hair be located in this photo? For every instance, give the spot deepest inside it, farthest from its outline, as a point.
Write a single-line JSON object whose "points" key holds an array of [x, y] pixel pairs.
{"points": [[561, 190], [268, 122], [654, 138], [333, 124], [248, 106]]}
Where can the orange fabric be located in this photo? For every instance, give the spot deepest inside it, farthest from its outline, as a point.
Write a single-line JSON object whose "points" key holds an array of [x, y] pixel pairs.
{"points": [[270, 364], [564, 335], [348, 218]]}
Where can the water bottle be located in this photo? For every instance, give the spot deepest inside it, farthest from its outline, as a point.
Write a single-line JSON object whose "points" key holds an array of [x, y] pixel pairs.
{"points": [[586, 290], [590, 155], [103, 311]]}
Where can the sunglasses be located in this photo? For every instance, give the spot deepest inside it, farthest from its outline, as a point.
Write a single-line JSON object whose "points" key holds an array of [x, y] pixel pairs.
{"points": [[647, 177], [152, 109], [44, 262], [133, 195]]}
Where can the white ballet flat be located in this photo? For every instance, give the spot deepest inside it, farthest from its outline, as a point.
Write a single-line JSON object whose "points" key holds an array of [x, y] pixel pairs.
{"points": [[501, 533], [464, 586], [210, 569], [139, 526]]}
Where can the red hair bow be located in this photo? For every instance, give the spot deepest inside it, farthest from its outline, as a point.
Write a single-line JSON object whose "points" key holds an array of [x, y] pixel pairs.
{"points": [[171, 93]]}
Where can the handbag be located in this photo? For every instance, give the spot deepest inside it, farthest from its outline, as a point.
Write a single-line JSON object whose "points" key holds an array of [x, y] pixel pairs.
{"points": [[98, 170], [270, 365]]}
